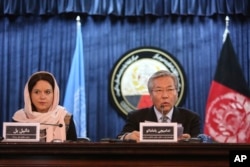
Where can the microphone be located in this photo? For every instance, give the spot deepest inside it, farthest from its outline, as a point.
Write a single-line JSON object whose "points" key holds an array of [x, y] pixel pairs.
{"points": [[162, 115], [162, 107], [59, 125]]}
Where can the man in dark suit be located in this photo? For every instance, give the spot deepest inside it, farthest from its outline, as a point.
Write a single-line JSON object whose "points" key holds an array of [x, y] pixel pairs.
{"points": [[163, 90]]}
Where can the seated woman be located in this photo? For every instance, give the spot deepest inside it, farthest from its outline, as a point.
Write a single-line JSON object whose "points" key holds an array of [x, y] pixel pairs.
{"points": [[41, 104]]}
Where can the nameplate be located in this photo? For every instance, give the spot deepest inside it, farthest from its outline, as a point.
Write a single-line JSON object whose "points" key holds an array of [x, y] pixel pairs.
{"points": [[158, 132], [21, 132]]}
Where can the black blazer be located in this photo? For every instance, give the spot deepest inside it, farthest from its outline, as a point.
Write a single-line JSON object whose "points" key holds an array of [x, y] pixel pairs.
{"points": [[189, 120], [71, 130]]}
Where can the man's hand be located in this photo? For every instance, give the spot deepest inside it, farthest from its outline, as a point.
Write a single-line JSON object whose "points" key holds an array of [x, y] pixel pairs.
{"points": [[185, 136], [135, 135]]}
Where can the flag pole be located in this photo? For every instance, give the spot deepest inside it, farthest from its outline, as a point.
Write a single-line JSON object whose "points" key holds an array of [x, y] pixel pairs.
{"points": [[226, 28], [74, 100]]}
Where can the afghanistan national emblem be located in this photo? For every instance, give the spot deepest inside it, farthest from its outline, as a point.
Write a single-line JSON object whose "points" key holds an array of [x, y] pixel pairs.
{"points": [[128, 81]]}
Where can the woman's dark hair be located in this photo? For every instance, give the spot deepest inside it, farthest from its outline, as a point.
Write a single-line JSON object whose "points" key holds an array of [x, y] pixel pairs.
{"points": [[40, 76]]}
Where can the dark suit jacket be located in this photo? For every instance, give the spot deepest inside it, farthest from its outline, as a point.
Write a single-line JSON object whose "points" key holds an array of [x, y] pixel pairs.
{"points": [[189, 120], [71, 130]]}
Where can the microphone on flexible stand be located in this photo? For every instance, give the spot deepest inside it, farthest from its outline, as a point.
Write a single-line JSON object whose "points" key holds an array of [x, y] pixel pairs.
{"points": [[59, 125], [163, 117], [43, 133]]}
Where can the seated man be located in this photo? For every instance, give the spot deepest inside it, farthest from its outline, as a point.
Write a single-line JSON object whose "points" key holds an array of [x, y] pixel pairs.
{"points": [[163, 90]]}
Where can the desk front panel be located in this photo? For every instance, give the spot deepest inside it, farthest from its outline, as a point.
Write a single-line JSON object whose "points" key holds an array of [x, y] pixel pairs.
{"points": [[117, 154]]}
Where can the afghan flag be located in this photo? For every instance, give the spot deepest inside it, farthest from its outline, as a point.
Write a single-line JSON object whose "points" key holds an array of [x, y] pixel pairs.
{"points": [[228, 103]]}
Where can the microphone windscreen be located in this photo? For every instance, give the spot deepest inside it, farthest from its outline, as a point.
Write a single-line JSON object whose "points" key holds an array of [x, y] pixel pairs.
{"points": [[59, 125]]}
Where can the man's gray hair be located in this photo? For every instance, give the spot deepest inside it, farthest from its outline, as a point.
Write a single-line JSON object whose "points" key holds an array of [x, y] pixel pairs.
{"points": [[159, 74]]}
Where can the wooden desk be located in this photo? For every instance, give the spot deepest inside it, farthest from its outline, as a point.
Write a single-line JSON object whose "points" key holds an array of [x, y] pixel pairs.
{"points": [[117, 154]]}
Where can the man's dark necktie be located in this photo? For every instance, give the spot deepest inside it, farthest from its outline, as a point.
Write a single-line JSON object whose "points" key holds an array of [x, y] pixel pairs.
{"points": [[164, 119]]}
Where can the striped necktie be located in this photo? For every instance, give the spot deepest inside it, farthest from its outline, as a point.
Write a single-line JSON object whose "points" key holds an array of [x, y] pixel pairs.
{"points": [[164, 119]]}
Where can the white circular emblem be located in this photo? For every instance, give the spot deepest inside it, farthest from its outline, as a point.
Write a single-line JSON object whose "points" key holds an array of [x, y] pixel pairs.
{"points": [[129, 77]]}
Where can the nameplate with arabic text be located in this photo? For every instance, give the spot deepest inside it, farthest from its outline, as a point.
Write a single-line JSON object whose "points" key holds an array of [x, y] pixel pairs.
{"points": [[158, 132], [21, 132]]}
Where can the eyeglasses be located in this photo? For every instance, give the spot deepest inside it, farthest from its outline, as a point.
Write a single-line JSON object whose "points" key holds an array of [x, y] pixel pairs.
{"points": [[161, 91]]}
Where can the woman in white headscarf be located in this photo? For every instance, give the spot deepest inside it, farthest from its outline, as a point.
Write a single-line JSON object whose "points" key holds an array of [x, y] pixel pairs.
{"points": [[41, 104]]}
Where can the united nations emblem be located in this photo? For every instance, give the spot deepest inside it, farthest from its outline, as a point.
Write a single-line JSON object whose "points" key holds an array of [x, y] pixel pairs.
{"points": [[129, 76]]}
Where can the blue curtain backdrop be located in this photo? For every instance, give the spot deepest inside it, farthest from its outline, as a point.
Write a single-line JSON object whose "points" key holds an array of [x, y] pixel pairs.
{"points": [[40, 35]]}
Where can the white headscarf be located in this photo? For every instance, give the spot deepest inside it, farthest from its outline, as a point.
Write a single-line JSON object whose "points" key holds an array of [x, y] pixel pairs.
{"points": [[55, 114]]}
